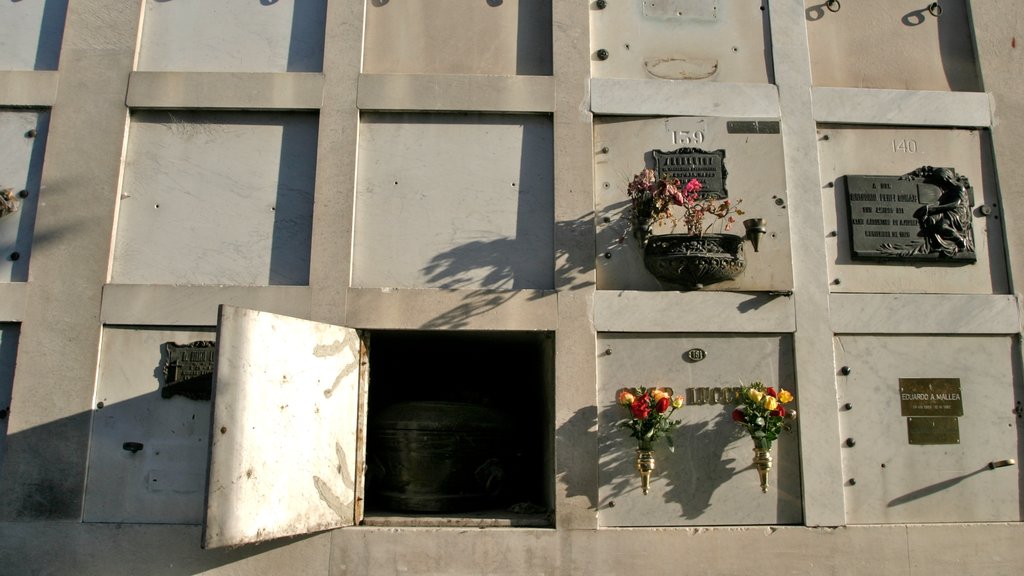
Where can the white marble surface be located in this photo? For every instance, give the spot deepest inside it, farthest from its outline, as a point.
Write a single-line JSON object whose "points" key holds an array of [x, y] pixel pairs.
{"points": [[902, 107], [681, 97], [232, 36], [262, 91], [924, 314], [30, 34], [21, 166]]}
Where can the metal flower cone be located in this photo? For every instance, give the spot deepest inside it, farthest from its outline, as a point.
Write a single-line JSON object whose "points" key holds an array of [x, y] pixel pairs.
{"points": [[763, 463], [645, 466]]}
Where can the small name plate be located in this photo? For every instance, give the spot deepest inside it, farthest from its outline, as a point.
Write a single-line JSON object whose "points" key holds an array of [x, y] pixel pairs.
{"points": [[931, 397], [925, 215], [689, 163], [933, 430]]}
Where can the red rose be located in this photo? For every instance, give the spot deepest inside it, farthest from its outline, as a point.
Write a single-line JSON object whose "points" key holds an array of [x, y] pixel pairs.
{"points": [[737, 415], [771, 392], [663, 403], [640, 408], [780, 411]]}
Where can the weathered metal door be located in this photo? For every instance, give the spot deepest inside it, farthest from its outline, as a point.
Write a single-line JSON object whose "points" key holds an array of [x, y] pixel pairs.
{"points": [[284, 448]]}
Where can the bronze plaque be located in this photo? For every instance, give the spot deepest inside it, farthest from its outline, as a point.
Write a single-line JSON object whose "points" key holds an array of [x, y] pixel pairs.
{"points": [[933, 430], [689, 163], [188, 369], [931, 397], [923, 216]]}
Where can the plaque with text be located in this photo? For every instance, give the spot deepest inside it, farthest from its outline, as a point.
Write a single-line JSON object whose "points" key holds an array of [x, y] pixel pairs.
{"points": [[923, 216], [689, 163], [931, 397], [188, 369]]}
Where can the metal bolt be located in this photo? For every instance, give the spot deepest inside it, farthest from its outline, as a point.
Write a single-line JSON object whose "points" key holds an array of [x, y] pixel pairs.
{"points": [[826, 137], [837, 281], [602, 54], [611, 503], [853, 481], [601, 5], [845, 370], [604, 149], [132, 447], [848, 406], [223, 429], [833, 234], [99, 405], [23, 194], [851, 442], [985, 210], [608, 255], [15, 256], [608, 352], [31, 133], [606, 219]]}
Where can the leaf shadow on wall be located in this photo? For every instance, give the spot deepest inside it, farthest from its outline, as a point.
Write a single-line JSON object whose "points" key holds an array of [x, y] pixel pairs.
{"points": [[693, 472]]}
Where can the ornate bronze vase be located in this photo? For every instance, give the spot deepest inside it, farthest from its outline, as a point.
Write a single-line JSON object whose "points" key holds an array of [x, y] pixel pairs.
{"points": [[692, 262]]}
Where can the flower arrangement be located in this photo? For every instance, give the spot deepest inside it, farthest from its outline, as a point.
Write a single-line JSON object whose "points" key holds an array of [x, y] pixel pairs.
{"points": [[652, 199], [650, 411], [762, 413]]}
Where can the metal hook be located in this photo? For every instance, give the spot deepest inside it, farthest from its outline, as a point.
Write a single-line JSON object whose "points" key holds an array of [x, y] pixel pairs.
{"points": [[833, 5], [935, 9]]}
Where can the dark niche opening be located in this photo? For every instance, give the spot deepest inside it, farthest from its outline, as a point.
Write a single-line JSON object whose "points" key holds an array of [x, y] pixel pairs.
{"points": [[459, 428]]}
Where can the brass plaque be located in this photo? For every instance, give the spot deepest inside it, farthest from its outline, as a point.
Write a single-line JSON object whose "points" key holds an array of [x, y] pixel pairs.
{"points": [[933, 430], [931, 397]]}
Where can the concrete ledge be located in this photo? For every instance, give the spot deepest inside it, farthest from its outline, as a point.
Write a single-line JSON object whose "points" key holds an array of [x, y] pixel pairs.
{"points": [[902, 314], [632, 311], [28, 88], [130, 304], [427, 309], [901, 107], [236, 91], [683, 98], [432, 92]]}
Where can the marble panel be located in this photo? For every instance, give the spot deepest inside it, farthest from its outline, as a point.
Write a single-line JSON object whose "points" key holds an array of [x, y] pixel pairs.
{"points": [[454, 201], [755, 174], [712, 40], [216, 198], [165, 481], [709, 478], [887, 479], [894, 151], [496, 37], [892, 44], [232, 36], [31, 33], [22, 145]]}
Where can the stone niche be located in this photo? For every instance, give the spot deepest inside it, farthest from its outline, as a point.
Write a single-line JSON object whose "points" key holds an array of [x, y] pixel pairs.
{"points": [[22, 145], [750, 152], [498, 37], [454, 201], [148, 454], [896, 44], [31, 34], [929, 427], [498, 470], [713, 40], [847, 151], [233, 36], [216, 198], [709, 479]]}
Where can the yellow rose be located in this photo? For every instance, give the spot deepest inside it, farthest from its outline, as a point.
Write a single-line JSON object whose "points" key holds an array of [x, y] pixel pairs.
{"points": [[658, 394], [677, 402], [755, 394], [769, 403], [785, 397], [625, 397]]}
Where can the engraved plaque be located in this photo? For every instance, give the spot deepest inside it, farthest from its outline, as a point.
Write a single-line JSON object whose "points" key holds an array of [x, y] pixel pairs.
{"points": [[753, 127], [188, 370], [924, 430], [685, 9], [931, 397], [923, 216], [688, 163]]}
